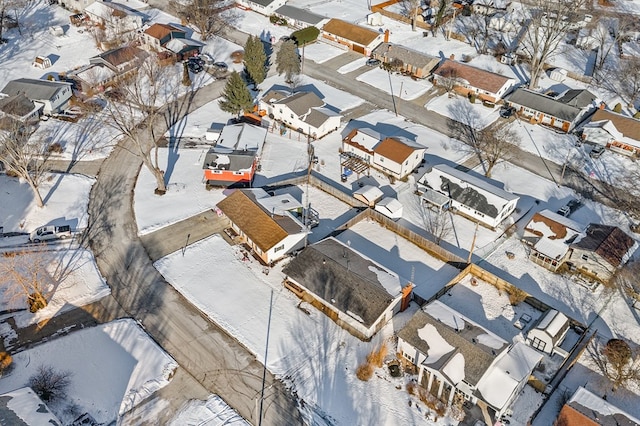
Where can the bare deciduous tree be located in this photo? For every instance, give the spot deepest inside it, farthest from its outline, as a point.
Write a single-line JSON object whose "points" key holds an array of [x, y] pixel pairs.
{"points": [[50, 384], [6, 7], [138, 105], [437, 222], [449, 80], [24, 155], [496, 144], [478, 31], [549, 22], [412, 10], [24, 276], [608, 35], [204, 15], [626, 279], [618, 362]]}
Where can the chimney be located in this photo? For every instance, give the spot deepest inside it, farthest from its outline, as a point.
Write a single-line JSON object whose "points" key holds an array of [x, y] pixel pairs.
{"points": [[602, 105], [406, 297], [386, 36], [452, 57]]}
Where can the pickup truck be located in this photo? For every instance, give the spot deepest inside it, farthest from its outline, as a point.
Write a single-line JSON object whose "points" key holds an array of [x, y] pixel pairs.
{"points": [[50, 232]]}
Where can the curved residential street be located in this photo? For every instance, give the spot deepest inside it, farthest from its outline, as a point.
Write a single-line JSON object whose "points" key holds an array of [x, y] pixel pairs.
{"points": [[212, 358]]}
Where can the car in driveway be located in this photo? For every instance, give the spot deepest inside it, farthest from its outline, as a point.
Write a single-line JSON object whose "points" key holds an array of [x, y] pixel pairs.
{"points": [[506, 112], [195, 67], [373, 62], [50, 232]]}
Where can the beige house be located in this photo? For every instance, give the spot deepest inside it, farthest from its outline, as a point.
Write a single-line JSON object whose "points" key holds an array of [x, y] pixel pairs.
{"points": [[352, 37], [416, 63], [466, 80], [618, 132]]}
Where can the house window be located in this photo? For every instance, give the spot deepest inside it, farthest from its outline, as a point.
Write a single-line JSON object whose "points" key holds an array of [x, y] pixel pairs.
{"points": [[538, 344], [291, 115], [277, 249], [382, 159], [280, 110], [238, 173], [406, 163], [409, 357], [584, 257]]}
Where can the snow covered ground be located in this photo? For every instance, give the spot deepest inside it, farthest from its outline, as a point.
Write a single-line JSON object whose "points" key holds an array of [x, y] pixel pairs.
{"points": [[460, 109], [402, 86], [214, 412], [113, 367]]}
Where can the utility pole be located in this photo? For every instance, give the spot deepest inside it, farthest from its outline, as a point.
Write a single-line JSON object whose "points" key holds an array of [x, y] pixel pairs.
{"points": [[473, 244], [393, 99], [266, 352]]}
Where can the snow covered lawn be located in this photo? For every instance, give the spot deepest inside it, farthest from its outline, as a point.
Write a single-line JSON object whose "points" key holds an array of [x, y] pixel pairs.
{"points": [[460, 109], [78, 283], [352, 66], [186, 189], [66, 197], [312, 353], [321, 52], [113, 368], [402, 86]]}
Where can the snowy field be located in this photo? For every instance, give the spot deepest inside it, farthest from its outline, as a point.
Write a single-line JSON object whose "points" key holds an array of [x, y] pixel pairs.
{"points": [[113, 367], [352, 66], [185, 188], [212, 412], [316, 357], [401, 86], [460, 109], [76, 282], [66, 197], [410, 262], [321, 52]]}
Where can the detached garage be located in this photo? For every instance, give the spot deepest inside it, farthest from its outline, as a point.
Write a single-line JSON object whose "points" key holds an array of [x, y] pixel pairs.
{"points": [[549, 332], [353, 37]]}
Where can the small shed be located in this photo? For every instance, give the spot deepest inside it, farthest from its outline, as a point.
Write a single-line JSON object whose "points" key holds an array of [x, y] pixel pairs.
{"points": [[549, 332], [56, 30], [390, 207], [374, 19], [368, 194]]}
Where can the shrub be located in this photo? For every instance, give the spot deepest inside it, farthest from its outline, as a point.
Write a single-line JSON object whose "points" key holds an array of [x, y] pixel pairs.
{"points": [[472, 98], [305, 35], [55, 147], [5, 362], [364, 371], [376, 357], [617, 108], [237, 56], [636, 115], [517, 296], [49, 384]]}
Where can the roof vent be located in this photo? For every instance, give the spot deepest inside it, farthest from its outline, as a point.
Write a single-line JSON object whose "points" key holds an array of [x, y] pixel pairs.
{"points": [[474, 341]]}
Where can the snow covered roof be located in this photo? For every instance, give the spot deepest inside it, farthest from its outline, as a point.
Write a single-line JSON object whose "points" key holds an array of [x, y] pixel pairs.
{"points": [[552, 323], [440, 333], [363, 138], [279, 204], [591, 407], [300, 15], [467, 189], [22, 407], [389, 207], [177, 45], [346, 279], [369, 194], [555, 233], [233, 161], [629, 127], [241, 137], [499, 383], [36, 90]]}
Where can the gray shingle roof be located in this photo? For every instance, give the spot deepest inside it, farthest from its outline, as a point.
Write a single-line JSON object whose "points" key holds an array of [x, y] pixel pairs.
{"points": [[544, 104], [318, 116], [298, 14], [34, 89], [17, 105], [343, 277], [579, 98], [406, 55], [477, 357], [300, 103]]}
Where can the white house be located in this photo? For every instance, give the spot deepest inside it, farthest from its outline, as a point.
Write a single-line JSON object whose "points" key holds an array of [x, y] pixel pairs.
{"points": [[618, 132], [116, 19], [24, 407], [357, 293], [302, 111], [471, 196], [549, 332], [550, 236], [272, 232], [396, 156], [368, 194], [264, 7], [458, 360], [300, 18], [54, 96]]}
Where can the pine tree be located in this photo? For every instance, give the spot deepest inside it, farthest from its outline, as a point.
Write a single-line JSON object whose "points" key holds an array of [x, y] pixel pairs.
{"points": [[186, 79], [287, 60], [255, 59], [236, 97]]}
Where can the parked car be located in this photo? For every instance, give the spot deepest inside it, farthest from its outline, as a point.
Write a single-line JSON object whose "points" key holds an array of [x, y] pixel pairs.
{"points": [[506, 112], [222, 66], [50, 232], [372, 62], [597, 151], [196, 60]]}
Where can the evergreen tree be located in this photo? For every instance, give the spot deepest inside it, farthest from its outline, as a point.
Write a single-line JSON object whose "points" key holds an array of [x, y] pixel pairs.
{"points": [[186, 79], [236, 97], [287, 60], [255, 59]]}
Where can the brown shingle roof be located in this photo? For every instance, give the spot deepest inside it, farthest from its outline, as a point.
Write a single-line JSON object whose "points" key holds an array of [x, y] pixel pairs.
{"points": [[349, 31], [610, 242], [259, 226], [629, 127], [476, 77], [569, 416], [160, 31], [394, 150]]}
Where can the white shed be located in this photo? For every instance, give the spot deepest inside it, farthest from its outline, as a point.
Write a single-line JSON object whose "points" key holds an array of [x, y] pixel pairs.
{"points": [[374, 19], [390, 207], [549, 332], [558, 74], [368, 194]]}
